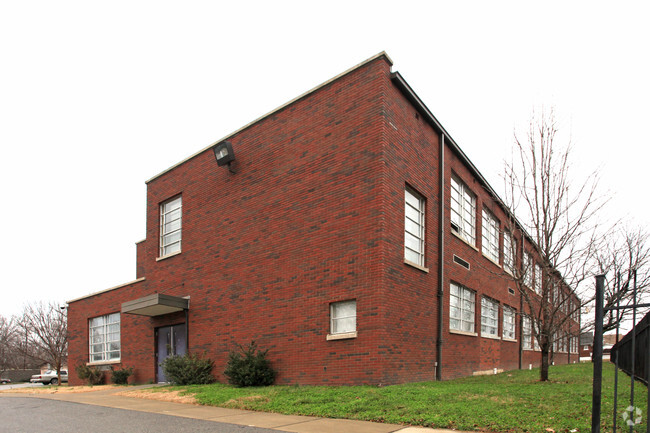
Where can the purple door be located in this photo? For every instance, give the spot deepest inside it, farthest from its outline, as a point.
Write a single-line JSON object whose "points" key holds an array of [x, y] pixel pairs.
{"points": [[170, 341]]}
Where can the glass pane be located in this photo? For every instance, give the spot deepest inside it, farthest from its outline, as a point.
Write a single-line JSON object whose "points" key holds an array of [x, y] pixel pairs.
{"points": [[412, 199], [171, 238], [172, 226], [412, 227], [412, 214], [454, 324], [468, 326], [454, 312], [171, 249], [412, 256], [412, 242], [114, 346]]}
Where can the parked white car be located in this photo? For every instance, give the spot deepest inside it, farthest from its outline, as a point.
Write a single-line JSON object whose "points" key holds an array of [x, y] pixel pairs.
{"points": [[49, 377]]}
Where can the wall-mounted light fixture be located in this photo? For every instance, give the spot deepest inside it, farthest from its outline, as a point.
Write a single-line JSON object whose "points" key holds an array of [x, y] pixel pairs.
{"points": [[224, 154]]}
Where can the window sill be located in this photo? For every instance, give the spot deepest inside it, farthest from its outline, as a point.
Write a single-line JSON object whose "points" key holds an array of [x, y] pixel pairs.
{"points": [[168, 256], [464, 240], [491, 337], [343, 336], [469, 334], [98, 363], [491, 259], [511, 340], [416, 266]]}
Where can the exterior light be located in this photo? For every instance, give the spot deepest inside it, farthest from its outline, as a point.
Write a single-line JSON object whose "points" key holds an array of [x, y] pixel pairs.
{"points": [[224, 154]]}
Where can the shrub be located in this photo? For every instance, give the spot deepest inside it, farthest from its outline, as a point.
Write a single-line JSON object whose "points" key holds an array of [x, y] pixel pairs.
{"points": [[249, 367], [189, 369], [92, 375], [121, 376]]}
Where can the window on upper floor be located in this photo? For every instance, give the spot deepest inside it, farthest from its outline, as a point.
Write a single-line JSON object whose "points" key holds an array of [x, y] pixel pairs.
{"points": [[490, 236], [463, 211], [343, 317], [104, 338], [489, 318], [461, 308], [171, 213], [413, 227], [538, 279], [509, 253], [528, 270], [509, 326]]}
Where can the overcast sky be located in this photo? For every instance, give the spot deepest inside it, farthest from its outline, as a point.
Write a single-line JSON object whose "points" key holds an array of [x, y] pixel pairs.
{"points": [[97, 97]]}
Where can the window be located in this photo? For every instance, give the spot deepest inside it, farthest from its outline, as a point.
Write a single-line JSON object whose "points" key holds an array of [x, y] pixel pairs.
{"points": [[461, 309], [527, 333], [528, 271], [463, 211], [104, 338], [170, 226], [489, 318], [490, 236], [413, 227], [343, 317], [538, 279], [509, 253], [508, 323]]}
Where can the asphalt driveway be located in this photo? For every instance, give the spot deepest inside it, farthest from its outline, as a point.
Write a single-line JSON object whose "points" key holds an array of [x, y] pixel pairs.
{"points": [[35, 415]]}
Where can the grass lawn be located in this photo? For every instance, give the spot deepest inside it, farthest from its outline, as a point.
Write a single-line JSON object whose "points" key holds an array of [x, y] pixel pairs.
{"points": [[509, 402]]}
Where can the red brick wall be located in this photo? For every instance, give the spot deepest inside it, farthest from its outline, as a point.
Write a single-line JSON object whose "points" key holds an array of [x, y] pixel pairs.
{"points": [[314, 214]]}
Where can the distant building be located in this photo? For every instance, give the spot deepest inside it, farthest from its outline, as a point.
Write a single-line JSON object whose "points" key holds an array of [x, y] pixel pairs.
{"points": [[350, 236]]}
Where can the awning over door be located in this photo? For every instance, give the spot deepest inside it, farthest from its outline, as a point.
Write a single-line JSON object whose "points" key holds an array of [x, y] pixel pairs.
{"points": [[155, 305]]}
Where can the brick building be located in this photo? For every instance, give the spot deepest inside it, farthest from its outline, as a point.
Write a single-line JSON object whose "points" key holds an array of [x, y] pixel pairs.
{"points": [[350, 236]]}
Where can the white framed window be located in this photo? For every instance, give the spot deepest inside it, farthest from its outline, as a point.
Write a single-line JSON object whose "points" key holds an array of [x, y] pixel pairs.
{"points": [[528, 270], [343, 317], [413, 227], [489, 317], [171, 213], [463, 211], [509, 315], [509, 253], [538, 279], [527, 337], [462, 306], [490, 236], [104, 338]]}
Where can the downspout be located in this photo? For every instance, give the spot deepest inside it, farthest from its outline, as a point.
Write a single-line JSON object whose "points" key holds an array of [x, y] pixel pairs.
{"points": [[441, 256], [521, 308]]}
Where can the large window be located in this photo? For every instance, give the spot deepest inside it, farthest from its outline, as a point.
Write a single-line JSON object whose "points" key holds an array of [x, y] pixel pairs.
{"points": [[509, 253], [528, 270], [527, 338], [104, 341], [538, 279], [413, 227], [343, 317], [463, 211], [508, 323], [490, 236], [461, 308], [489, 318], [170, 226]]}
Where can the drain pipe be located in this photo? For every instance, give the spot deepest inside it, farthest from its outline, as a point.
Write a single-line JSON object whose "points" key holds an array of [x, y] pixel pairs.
{"points": [[441, 256]]}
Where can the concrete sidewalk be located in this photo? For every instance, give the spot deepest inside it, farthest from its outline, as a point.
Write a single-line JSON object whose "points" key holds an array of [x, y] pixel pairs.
{"points": [[287, 423]]}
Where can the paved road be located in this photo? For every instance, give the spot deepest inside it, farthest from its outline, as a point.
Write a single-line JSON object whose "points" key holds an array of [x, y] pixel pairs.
{"points": [[35, 415], [20, 385]]}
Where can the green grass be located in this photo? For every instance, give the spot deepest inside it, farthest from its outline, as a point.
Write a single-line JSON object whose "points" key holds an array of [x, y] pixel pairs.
{"points": [[509, 402]]}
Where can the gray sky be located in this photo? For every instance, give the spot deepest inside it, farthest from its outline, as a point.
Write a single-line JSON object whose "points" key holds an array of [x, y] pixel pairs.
{"points": [[97, 97]]}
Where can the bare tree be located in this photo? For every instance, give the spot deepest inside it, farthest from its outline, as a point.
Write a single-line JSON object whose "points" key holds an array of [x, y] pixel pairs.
{"points": [[626, 251], [7, 336], [557, 229], [47, 333]]}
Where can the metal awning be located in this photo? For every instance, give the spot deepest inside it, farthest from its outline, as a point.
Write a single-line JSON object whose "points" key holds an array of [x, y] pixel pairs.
{"points": [[156, 305]]}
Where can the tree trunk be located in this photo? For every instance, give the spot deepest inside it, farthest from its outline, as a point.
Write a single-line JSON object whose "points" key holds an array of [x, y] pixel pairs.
{"points": [[543, 371]]}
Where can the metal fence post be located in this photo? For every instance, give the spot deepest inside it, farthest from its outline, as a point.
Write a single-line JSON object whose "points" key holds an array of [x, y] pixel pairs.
{"points": [[598, 356]]}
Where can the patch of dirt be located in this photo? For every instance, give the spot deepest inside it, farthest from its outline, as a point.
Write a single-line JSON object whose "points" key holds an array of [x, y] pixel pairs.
{"points": [[171, 396], [59, 389]]}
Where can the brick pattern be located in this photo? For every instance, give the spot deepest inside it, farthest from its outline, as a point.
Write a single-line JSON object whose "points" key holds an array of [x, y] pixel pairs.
{"points": [[313, 215]]}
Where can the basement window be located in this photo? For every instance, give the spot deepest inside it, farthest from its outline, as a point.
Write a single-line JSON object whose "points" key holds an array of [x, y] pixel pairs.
{"points": [[343, 320]]}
